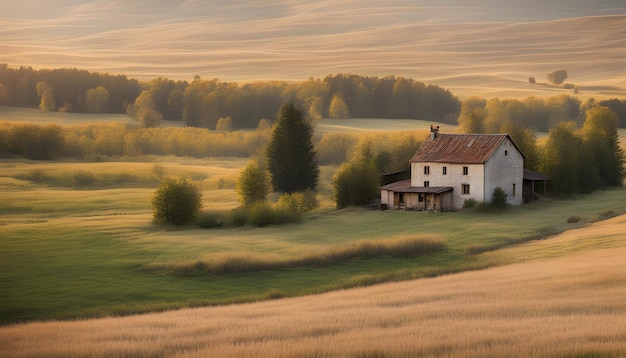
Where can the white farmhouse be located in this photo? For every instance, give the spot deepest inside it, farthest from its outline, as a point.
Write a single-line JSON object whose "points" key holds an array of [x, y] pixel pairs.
{"points": [[448, 169]]}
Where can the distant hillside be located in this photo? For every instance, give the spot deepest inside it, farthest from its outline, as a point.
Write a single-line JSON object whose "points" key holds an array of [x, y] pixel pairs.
{"points": [[486, 48]]}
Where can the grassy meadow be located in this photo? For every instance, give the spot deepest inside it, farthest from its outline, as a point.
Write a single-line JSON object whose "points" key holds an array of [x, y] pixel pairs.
{"points": [[77, 242], [570, 305], [91, 251]]}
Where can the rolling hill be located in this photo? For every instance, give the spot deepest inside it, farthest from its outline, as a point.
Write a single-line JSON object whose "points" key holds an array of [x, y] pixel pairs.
{"points": [[487, 48]]}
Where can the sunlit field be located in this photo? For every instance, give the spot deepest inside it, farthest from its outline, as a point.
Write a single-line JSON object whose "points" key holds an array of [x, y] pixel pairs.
{"points": [[569, 305]]}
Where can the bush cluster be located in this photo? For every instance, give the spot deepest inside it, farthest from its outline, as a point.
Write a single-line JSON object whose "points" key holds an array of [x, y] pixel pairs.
{"points": [[176, 202], [573, 219], [116, 139], [290, 208], [82, 179]]}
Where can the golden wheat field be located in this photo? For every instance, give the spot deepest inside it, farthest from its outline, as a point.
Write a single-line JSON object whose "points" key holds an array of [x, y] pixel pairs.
{"points": [[571, 305]]}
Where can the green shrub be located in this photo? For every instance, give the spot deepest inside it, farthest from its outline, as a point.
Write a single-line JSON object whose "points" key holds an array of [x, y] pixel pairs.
{"points": [[118, 178], [261, 214], [298, 203], [604, 215], [82, 179], [469, 203], [210, 220], [159, 171], [356, 183], [498, 200], [253, 185], [35, 175], [573, 219], [238, 217], [176, 202]]}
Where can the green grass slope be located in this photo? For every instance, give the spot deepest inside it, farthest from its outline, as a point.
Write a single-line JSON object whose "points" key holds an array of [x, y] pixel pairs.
{"points": [[73, 253]]}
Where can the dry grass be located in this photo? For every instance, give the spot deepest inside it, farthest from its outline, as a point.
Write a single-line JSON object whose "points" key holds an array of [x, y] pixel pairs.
{"points": [[398, 247], [567, 306]]}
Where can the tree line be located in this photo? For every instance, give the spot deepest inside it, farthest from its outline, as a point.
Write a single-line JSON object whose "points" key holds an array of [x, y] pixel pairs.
{"points": [[479, 115], [580, 154], [201, 103], [578, 159], [95, 141], [66, 90]]}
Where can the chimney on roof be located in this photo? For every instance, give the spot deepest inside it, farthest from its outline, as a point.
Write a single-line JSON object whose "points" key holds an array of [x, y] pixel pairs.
{"points": [[433, 131]]}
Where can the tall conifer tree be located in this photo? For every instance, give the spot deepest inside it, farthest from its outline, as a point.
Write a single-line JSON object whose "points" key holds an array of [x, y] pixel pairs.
{"points": [[290, 156]]}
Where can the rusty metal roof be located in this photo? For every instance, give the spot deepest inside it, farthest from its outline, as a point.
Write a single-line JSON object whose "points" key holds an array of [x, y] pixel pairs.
{"points": [[404, 186], [459, 148]]}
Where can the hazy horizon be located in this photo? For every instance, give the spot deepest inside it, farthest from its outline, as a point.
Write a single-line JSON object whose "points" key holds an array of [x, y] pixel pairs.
{"points": [[466, 47]]}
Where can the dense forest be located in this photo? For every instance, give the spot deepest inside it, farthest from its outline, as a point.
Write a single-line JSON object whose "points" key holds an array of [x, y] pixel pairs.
{"points": [[202, 103]]}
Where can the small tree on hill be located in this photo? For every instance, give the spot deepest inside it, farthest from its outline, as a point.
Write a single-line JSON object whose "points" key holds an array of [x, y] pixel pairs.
{"points": [[557, 77], [176, 202]]}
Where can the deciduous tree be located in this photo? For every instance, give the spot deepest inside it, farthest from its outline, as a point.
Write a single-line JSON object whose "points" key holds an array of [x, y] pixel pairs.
{"points": [[356, 182], [224, 124], [144, 111], [5, 96], [600, 134], [97, 100], [338, 108], [46, 97], [253, 185], [472, 116], [176, 202], [562, 169], [557, 77]]}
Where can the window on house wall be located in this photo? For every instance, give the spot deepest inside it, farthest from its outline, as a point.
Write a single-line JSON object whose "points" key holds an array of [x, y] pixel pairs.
{"points": [[420, 198], [465, 170], [445, 170], [466, 188], [426, 170], [513, 189], [506, 152], [427, 184]]}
